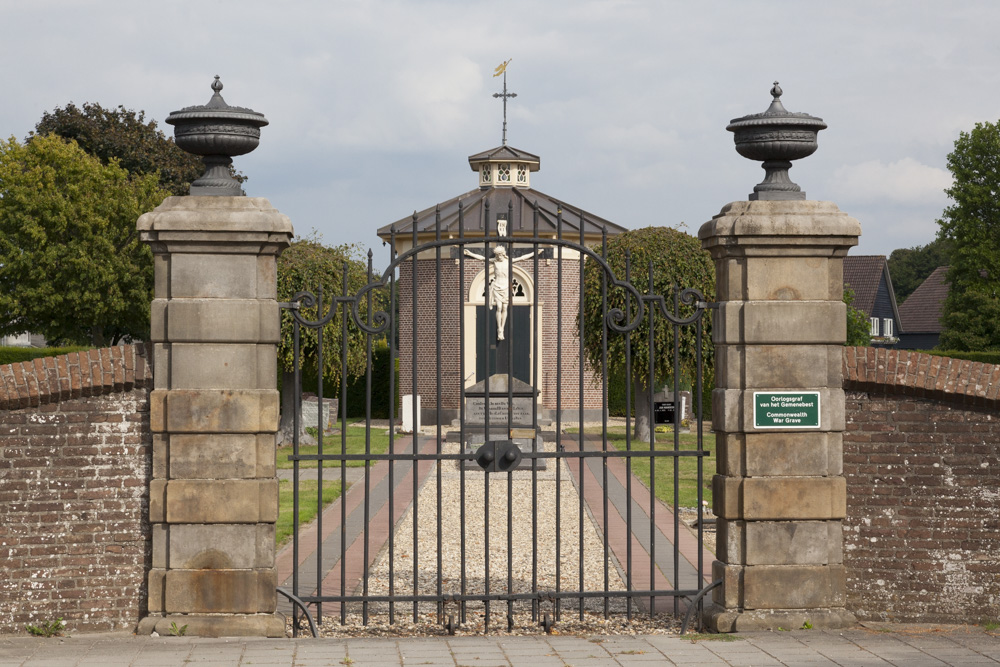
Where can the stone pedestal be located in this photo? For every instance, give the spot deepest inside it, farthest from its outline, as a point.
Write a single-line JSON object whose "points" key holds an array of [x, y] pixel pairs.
{"points": [[779, 492], [214, 414]]}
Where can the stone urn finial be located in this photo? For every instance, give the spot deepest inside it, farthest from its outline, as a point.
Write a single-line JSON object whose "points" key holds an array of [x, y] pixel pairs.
{"points": [[776, 137], [217, 132]]}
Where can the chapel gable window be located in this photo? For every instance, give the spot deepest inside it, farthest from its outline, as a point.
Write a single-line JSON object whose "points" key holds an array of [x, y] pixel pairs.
{"points": [[503, 173]]}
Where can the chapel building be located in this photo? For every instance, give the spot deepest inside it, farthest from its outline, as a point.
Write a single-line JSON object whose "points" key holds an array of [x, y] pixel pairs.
{"points": [[503, 199]]}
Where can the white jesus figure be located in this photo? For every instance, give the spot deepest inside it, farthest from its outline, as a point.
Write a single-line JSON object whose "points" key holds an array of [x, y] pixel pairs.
{"points": [[499, 280]]}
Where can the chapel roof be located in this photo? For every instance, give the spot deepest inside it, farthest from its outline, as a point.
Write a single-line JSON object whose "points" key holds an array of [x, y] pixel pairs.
{"points": [[505, 152], [519, 202]]}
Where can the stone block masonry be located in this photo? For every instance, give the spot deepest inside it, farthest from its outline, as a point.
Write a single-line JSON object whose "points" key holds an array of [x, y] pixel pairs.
{"points": [[779, 491], [922, 462], [75, 464], [214, 414]]}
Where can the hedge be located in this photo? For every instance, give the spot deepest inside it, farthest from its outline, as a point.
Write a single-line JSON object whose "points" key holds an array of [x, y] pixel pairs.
{"points": [[987, 357], [13, 355]]}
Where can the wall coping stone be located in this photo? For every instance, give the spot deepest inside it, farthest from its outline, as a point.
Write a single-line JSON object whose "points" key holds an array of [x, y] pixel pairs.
{"points": [[68, 376], [904, 372]]}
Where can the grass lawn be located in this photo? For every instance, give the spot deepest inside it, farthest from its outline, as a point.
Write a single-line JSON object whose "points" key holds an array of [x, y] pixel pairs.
{"points": [[332, 445], [307, 505], [687, 467]]}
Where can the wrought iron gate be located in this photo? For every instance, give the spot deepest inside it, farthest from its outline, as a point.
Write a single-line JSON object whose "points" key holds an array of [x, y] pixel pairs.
{"points": [[600, 541]]}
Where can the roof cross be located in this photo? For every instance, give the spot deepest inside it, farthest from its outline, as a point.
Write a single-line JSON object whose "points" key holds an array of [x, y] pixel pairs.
{"points": [[502, 69]]}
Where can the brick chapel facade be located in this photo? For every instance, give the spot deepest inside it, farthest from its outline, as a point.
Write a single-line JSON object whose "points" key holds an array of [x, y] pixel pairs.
{"points": [[443, 292]]}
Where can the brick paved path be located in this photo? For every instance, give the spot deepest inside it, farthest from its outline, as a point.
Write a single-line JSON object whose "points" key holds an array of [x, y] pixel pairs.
{"points": [[900, 646], [344, 521]]}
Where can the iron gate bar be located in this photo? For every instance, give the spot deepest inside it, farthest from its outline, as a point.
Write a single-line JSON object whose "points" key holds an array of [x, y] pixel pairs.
{"points": [[461, 402], [510, 419], [471, 456], [297, 393], [414, 389], [319, 439], [536, 298], [582, 353], [604, 404], [392, 418], [437, 313], [628, 434], [503, 597], [652, 440], [486, 402], [343, 437], [678, 406], [368, 447], [559, 365]]}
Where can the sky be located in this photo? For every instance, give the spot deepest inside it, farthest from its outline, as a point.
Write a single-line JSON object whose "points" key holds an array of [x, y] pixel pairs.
{"points": [[375, 106]]}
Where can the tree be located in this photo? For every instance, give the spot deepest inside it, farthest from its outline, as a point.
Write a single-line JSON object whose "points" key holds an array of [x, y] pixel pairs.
{"points": [[858, 328], [678, 261], [308, 265], [972, 226], [124, 135], [71, 264], [910, 266]]}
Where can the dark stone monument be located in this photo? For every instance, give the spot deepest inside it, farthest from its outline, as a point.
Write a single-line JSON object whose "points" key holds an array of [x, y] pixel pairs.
{"points": [[509, 413]]}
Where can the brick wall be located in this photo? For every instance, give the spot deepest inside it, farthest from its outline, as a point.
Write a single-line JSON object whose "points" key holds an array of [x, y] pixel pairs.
{"points": [[922, 461], [75, 464]]}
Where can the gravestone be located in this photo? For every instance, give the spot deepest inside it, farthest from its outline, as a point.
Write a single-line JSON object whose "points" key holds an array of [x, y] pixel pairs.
{"points": [[665, 406]]}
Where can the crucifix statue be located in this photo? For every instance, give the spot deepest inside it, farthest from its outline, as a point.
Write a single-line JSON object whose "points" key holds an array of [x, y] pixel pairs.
{"points": [[498, 276]]}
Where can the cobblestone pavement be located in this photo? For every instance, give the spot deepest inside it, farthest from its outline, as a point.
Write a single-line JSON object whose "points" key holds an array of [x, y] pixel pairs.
{"points": [[898, 645]]}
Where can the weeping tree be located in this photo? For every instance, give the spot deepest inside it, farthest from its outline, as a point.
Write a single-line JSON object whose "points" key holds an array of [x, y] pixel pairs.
{"points": [[308, 265], [676, 262]]}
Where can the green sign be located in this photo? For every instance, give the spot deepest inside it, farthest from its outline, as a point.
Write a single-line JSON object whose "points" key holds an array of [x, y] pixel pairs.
{"points": [[786, 409]]}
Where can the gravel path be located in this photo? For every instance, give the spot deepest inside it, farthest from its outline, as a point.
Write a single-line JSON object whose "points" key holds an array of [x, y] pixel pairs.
{"points": [[533, 564], [523, 548]]}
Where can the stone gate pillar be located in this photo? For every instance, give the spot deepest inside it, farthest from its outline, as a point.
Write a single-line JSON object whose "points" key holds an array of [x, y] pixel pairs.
{"points": [[779, 491], [214, 414], [778, 406], [214, 406]]}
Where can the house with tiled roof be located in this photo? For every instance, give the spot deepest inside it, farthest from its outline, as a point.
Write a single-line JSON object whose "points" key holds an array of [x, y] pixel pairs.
{"points": [[921, 312], [868, 276]]}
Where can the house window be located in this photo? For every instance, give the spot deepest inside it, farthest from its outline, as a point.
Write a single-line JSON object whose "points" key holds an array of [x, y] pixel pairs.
{"points": [[503, 173], [887, 327], [874, 323]]}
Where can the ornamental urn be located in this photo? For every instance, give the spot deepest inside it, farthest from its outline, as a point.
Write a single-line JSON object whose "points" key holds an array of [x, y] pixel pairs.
{"points": [[217, 132], [776, 137]]}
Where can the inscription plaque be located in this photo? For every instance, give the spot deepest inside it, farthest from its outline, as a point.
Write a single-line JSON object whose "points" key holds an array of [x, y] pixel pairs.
{"points": [[518, 408]]}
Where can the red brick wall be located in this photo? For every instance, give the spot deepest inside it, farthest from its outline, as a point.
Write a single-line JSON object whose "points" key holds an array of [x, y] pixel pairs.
{"points": [[75, 463], [922, 461]]}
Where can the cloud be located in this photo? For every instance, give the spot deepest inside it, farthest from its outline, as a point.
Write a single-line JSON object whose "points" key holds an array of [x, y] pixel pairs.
{"points": [[905, 181]]}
